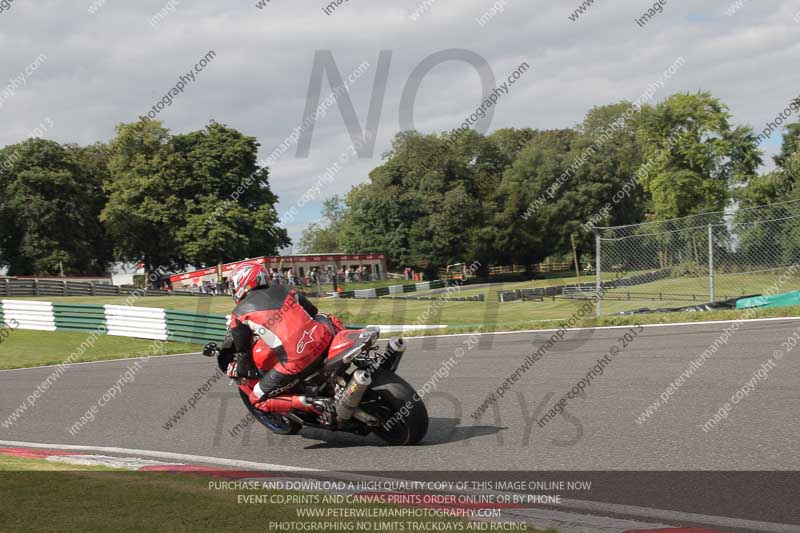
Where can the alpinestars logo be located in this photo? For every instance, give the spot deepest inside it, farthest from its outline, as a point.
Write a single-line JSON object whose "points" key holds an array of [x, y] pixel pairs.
{"points": [[308, 337]]}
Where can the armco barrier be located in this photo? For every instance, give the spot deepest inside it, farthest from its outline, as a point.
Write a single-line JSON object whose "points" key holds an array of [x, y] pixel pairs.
{"points": [[51, 287], [141, 322], [129, 321], [365, 293], [190, 327], [30, 315], [120, 320], [391, 289], [78, 317]]}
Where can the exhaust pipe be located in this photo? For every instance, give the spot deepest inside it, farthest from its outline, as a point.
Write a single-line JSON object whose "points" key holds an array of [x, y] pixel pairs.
{"points": [[394, 352], [352, 394], [397, 345]]}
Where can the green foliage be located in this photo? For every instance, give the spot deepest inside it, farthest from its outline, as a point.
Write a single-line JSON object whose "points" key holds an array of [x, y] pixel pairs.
{"points": [[197, 198], [520, 195], [324, 236], [697, 155], [428, 203], [50, 199], [525, 235], [514, 196], [564, 178]]}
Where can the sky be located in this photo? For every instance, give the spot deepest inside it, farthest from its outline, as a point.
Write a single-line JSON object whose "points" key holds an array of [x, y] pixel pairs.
{"points": [[82, 67]]}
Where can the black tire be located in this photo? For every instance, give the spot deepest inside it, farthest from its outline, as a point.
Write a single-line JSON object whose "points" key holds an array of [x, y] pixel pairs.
{"points": [[275, 423], [388, 395]]}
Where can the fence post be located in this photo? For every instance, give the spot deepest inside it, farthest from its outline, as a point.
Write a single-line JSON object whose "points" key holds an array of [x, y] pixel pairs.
{"points": [[597, 275], [36, 287], [91, 288], [711, 262], [64, 293]]}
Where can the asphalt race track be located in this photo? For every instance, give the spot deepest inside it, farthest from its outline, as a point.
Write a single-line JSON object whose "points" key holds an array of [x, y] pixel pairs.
{"points": [[598, 432]]}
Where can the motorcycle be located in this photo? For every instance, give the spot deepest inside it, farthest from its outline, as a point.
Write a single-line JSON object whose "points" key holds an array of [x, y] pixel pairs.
{"points": [[367, 394]]}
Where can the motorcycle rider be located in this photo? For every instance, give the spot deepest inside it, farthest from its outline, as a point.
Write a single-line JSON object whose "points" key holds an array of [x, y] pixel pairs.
{"points": [[279, 331]]}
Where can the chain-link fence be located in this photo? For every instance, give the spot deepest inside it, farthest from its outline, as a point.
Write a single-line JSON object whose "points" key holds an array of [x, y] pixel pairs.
{"points": [[697, 259]]}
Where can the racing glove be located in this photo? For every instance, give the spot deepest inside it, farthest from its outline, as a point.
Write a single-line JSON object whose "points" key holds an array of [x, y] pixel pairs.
{"points": [[211, 349], [242, 367]]}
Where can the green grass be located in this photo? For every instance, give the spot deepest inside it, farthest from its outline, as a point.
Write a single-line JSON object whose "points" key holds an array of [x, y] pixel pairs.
{"points": [[41, 496], [671, 318], [27, 348], [363, 311], [726, 286], [491, 292], [489, 314], [34, 348]]}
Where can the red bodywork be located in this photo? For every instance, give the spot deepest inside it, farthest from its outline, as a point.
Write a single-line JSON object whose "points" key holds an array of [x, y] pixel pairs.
{"points": [[343, 341]]}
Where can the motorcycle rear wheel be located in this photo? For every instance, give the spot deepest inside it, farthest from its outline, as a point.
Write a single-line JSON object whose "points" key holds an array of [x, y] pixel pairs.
{"points": [[386, 399]]}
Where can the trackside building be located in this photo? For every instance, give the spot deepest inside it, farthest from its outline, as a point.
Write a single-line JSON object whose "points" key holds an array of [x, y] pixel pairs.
{"points": [[373, 265]]}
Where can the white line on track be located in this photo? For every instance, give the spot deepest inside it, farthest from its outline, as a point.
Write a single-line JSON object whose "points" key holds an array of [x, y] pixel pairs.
{"points": [[698, 323], [582, 505]]}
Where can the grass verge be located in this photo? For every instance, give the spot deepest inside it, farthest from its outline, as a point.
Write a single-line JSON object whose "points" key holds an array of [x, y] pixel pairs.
{"points": [[27, 348], [38, 495]]}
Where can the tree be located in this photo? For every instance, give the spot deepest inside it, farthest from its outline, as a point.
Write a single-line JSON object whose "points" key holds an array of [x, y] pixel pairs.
{"points": [[511, 141], [324, 236], [424, 205], [144, 210], [51, 198], [789, 146], [526, 230], [605, 190], [197, 198], [781, 183], [694, 155], [778, 237]]}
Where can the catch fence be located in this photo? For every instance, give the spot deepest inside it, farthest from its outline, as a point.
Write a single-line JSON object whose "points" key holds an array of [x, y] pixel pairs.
{"points": [[700, 258]]}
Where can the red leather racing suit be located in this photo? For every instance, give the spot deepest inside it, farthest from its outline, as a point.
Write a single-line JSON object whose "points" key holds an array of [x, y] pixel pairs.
{"points": [[287, 336]]}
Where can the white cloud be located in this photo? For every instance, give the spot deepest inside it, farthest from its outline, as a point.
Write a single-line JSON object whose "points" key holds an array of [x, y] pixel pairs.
{"points": [[112, 66]]}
